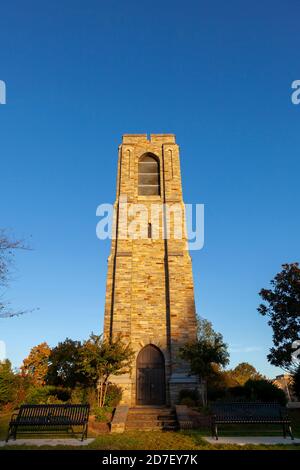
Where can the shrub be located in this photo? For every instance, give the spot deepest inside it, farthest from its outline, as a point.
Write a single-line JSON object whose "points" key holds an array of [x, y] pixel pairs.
{"points": [[113, 396], [253, 390], [189, 397], [37, 395], [188, 401], [216, 393], [47, 395], [238, 393], [81, 394], [264, 390], [102, 414]]}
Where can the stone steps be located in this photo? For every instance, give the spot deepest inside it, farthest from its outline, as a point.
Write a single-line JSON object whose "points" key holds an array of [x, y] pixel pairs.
{"points": [[151, 419]]}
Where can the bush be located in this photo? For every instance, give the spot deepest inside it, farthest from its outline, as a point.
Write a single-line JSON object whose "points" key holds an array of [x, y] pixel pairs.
{"points": [[253, 390], [263, 390], [188, 401], [238, 393], [102, 414], [81, 394], [189, 397], [216, 393], [113, 396], [47, 395]]}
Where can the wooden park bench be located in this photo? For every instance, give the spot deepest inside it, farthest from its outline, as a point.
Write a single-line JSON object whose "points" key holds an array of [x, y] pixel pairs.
{"points": [[49, 418], [250, 413]]}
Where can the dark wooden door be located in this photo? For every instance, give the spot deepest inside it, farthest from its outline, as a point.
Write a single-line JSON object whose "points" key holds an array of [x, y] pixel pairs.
{"points": [[150, 376]]}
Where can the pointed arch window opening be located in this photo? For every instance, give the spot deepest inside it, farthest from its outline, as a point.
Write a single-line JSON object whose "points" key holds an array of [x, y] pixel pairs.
{"points": [[149, 176]]}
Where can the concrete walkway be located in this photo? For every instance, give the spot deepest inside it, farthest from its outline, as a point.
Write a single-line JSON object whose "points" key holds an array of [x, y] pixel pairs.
{"points": [[253, 440], [47, 442]]}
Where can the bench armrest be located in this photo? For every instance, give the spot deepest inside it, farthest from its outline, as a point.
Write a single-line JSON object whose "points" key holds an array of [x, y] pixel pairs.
{"points": [[14, 417]]}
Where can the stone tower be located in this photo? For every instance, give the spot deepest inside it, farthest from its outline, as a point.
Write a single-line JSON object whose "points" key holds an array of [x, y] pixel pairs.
{"points": [[149, 291]]}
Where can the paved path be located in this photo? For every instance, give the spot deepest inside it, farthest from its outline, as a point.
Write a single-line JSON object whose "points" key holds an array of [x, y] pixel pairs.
{"points": [[47, 442], [254, 440]]}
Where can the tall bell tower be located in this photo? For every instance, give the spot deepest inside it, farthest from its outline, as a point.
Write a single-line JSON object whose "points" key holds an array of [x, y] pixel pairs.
{"points": [[150, 291]]}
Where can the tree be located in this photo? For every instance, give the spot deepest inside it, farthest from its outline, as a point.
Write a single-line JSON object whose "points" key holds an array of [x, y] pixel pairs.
{"points": [[296, 382], [207, 352], [8, 247], [7, 382], [36, 364], [101, 358], [64, 365], [282, 306], [241, 374]]}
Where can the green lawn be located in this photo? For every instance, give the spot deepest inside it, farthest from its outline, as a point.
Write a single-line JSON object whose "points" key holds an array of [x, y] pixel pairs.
{"points": [[181, 440]]}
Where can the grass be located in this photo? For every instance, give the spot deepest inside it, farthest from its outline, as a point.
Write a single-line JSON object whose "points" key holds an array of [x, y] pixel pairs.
{"points": [[4, 420], [157, 440]]}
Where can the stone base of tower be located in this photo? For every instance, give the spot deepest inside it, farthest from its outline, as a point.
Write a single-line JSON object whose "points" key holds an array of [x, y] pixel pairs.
{"points": [[125, 382], [175, 384], [178, 382]]}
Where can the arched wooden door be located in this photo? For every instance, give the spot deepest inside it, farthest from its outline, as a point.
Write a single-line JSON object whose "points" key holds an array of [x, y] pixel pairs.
{"points": [[150, 383]]}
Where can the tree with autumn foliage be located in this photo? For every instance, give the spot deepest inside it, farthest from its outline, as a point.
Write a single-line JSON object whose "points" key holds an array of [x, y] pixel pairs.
{"points": [[35, 366], [241, 374]]}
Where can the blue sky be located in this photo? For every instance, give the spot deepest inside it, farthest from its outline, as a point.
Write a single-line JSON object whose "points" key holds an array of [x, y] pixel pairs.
{"points": [[79, 75]]}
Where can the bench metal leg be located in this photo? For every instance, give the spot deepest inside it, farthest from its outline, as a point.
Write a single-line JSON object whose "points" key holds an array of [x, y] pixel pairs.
{"points": [[84, 432], [214, 431], [8, 434], [290, 431], [12, 432], [284, 430]]}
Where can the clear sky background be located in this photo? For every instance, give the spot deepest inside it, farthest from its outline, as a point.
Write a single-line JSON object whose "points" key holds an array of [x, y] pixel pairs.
{"points": [[79, 74]]}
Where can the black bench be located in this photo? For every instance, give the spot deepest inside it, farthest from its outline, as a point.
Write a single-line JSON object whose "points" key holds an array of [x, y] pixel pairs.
{"points": [[45, 418], [250, 413]]}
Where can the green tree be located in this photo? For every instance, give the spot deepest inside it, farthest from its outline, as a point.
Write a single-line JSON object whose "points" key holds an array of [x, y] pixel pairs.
{"points": [[205, 354], [282, 306], [36, 364], [100, 359], [7, 383], [64, 364]]}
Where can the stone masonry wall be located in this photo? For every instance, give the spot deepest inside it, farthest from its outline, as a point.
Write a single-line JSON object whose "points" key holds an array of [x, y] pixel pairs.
{"points": [[149, 291]]}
